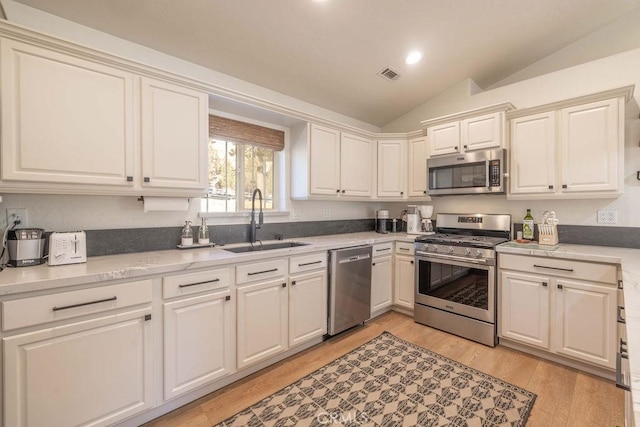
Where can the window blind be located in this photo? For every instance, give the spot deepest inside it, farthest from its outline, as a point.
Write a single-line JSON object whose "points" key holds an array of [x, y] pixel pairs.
{"points": [[245, 133]]}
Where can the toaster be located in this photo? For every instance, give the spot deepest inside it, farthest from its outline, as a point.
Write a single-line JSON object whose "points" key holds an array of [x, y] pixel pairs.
{"points": [[68, 247], [26, 246]]}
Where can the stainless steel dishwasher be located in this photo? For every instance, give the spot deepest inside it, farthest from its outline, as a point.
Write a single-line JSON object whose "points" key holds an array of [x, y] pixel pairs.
{"points": [[349, 287]]}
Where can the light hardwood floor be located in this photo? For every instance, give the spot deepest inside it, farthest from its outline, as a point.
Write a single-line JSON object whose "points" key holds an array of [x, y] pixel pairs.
{"points": [[566, 397]]}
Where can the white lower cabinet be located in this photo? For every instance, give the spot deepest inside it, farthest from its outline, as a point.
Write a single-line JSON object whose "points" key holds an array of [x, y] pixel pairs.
{"points": [[558, 306], [94, 372], [262, 321], [404, 277], [381, 278], [199, 344], [307, 306]]}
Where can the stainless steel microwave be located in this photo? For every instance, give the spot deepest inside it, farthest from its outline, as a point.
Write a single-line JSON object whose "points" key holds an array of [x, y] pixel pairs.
{"points": [[476, 172]]}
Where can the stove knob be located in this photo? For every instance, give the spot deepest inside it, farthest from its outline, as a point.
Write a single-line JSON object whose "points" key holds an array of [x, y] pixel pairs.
{"points": [[467, 251], [450, 249], [478, 253], [434, 248]]}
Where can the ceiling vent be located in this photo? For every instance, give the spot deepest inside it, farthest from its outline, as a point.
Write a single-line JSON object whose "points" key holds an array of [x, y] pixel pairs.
{"points": [[389, 74]]}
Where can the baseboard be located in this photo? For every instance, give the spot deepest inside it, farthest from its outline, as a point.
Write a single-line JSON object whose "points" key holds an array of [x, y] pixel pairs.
{"points": [[580, 366]]}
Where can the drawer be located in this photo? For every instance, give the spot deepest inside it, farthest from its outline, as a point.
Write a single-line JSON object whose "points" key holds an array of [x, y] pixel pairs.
{"points": [[31, 311], [382, 249], [593, 272], [189, 283], [310, 262], [404, 248], [261, 270]]}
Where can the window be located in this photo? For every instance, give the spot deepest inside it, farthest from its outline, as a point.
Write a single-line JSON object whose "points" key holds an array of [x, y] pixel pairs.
{"points": [[242, 157], [235, 170]]}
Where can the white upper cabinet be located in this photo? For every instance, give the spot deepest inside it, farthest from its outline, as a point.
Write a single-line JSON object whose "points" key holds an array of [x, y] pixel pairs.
{"points": [[327, 162], [324, 160], [444, 139], [417, 162], [592, 145], [64, 119], [174, 136], [83, 126], [467, 131], [571, 149], [356, 171], [391, 168], [533, 154]]}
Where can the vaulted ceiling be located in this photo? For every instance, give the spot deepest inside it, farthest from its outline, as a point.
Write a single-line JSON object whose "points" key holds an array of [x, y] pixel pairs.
{"points": [[329, 53]]}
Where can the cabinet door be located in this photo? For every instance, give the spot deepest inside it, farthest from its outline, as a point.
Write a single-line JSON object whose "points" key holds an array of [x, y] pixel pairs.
{"points": [[174, 136], [94, 372], [64, 119], [324, 161], [481, 132], [356, 157], [444, 139], [404, 284], [417, 186], [391, 161], [533, 154], [381, 283], [198, 341], [262, 320], [591, 146], [307, 307], [524, 308], [585, 321]]}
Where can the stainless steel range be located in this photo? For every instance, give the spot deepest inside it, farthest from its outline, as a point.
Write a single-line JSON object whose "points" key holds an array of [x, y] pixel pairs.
{"points": [[456, 282]]}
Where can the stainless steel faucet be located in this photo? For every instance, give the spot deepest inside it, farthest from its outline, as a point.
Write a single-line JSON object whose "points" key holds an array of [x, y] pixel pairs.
{"points": [[254, 226]]}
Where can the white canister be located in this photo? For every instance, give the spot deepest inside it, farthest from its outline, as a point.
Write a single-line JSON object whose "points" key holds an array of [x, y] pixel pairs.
{"points": [[413, 223]]}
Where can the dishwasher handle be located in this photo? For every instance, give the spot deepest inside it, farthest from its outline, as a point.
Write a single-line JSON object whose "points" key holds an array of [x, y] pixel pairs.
{"points": [[354, 258]]}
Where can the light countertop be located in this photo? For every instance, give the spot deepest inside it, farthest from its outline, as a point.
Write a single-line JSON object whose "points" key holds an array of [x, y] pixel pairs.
{"points": [[123, 266], [629, 259]]}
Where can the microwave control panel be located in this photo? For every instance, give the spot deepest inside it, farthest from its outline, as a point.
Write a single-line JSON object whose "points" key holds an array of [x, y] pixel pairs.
{"points": [[494, 173]]}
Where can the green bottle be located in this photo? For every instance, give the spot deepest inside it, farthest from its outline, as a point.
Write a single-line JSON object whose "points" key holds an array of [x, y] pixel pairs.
{"points": [[527, 226]]}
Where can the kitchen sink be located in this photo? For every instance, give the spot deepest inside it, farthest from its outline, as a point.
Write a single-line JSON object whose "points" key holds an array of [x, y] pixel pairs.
{"points": [[266, 247]]}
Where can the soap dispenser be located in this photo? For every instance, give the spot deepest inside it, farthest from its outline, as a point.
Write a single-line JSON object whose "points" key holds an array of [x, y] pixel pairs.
{"points": [[187, 234], [203, 233]]}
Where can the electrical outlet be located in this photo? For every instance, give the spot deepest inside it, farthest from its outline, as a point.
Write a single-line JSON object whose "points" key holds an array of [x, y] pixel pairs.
{"points": [[607, 216], [326, 213], [19, 214], [295, 213]]}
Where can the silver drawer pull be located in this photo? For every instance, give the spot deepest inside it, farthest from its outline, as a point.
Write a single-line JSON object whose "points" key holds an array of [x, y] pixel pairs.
{"points": [[65, 307], [553, 268], [404, 249], [260, 272], [385, 249], [620, 376], [199, 283], [309, 263]]}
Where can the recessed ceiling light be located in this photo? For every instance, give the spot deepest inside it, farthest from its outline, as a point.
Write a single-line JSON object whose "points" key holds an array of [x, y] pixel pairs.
{"points": [[413, 57]]}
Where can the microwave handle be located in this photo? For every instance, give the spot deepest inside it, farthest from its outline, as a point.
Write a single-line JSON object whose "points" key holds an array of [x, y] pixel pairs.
{"points": [[486, 175]]}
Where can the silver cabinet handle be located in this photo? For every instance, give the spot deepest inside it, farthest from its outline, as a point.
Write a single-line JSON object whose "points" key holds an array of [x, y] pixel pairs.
{"points": [[553, 268], [404, 249], [260, 272], [384, 249], [199, 283], [66, 307], [309, 263]]}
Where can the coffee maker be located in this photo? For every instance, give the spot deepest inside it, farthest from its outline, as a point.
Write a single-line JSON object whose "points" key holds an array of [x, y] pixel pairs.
{"points": [[419, 222]]}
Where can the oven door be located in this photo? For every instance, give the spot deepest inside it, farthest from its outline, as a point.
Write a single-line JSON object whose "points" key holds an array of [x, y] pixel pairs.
{"points": [[457, 285]]}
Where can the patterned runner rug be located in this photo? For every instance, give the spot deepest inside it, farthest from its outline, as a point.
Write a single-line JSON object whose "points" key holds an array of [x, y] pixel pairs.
{"points": [[391, 382]]}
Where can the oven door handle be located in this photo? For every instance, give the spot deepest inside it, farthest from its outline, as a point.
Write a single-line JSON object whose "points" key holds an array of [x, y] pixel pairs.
{"points": [[482, 261]]}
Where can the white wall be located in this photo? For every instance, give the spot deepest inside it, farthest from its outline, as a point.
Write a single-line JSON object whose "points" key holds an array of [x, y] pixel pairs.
{"points": [[606, 73]]}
